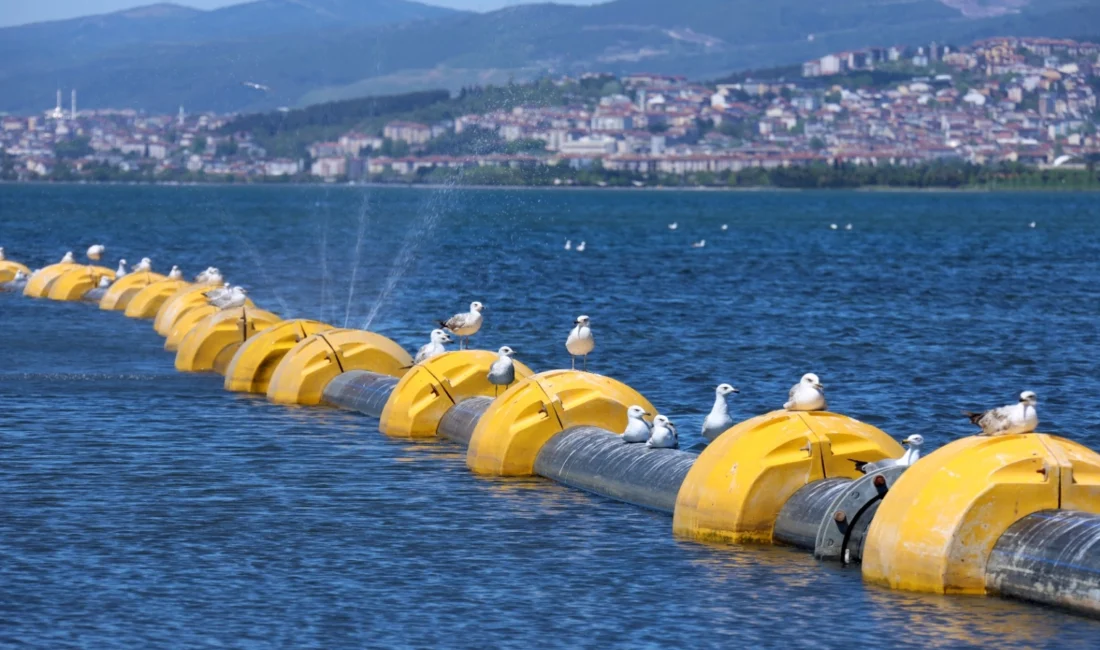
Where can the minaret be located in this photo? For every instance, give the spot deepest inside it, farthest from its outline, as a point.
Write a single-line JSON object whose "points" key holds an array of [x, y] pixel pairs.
{"points": [[72, 115]]}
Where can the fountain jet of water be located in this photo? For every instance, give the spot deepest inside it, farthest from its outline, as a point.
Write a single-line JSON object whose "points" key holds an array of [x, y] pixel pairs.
{"points": [[364, 217]]}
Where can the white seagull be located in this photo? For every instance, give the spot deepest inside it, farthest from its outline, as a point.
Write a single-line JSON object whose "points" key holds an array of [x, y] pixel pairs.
{"points": [[236, 297], [104, 282], [68, 258], [96, 251], [806, 395], [503, 371], [663, 435], [911, 455], [434, 348], [699, 244], [144, 266], [175, 273], [673, 226], [581, 246], [1031, 225], [465, 325], [580, 342], [719, 420], [848, 226], [216, 295], [637, 429], [20, 276], [568, 244], [1007, 420], [121, 270], [2, 258], [725, 226]]}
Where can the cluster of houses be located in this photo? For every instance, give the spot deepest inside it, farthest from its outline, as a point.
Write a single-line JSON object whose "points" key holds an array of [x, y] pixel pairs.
{"points": [[1028, 100]]}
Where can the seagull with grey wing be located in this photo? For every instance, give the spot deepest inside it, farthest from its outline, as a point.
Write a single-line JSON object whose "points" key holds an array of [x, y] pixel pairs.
{"points": [[637, 429], [503, 370], [435, 347], [580, 341], [664, 434], [1021, 417], [807, 395], [911, 455], [719, 420], [465, 325]]}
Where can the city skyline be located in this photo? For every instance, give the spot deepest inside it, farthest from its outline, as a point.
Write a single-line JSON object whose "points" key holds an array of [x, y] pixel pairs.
{"points": [[18, 12]]}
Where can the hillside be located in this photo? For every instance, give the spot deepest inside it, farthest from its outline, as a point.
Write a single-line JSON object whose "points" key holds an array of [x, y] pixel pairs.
{"points": [[307, 58]]}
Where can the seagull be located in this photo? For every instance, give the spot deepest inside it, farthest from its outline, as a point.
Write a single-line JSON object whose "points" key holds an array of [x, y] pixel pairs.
{"points": [[2, 258], [255, 86], [568, 244], [910, 456], [1031, 225], [215, 295], [1007, 420], [211, 275], [235, 297], [175, 273], [699, 244], [637, 429], [96, 251], [673, 226], [719, 420], [581, 246], [503, 371], [434, 348], [833, 226], [20, 276], [144, 266], [68, 258], [806, 395], [725, 226], [664, 435], [580, 342], [465, 325], [104, 282], [848, 227], [204, 275], [121, 270]]}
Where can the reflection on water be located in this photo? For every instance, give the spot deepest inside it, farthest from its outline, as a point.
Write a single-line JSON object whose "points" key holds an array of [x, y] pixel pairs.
{"points": [[148, 508]]}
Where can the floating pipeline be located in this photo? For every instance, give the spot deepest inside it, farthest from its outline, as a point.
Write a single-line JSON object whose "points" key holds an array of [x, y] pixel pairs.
{"points": [[1017, 516]]}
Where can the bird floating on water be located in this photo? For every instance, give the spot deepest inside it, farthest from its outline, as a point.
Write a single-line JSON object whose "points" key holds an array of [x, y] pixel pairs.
{"points": [[702, 243], [725, 226], [663, 435], [96, 251], [807, 395], [121, 270], [580, 342], [637, 429], [568, 244], [1031, 225], [674, 225], [175, 273], [68, 258], [848, 226], [719, 420], [581, 246], [503, 370], [435, 347], [1021, 417], [144, 266], [833, 226], [465, 325], [911, 455]]}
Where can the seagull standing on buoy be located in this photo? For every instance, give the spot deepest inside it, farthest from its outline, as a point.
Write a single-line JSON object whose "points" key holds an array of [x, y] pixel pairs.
{"points": [[664, 434], [806, 395], [719, 420], [104, 282], [233, 298], [433, 348], [217, 295], [637, 429], [96, 251], [1021, 417], [911, 455], [121, 270], [580, 342], [503, 370], [144, 266], [465, 325], [68, 258], [175, 273], [20, 276], [2, 258]]}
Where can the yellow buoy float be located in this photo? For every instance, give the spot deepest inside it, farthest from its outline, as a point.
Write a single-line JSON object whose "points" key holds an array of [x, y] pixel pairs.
{"points": [[77, 281], [148, 300], [255, 361], [38, 285], [212, 342], [123, 290]]}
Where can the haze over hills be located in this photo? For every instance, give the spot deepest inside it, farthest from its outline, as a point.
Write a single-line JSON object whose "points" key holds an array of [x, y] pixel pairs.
{"points": [[159, 57]]}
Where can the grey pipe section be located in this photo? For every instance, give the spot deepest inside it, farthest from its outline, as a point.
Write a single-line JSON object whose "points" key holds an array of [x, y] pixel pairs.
{"points": [[1050, 557], [459, 422], [360, 390], [595, 460], [802, 514]]}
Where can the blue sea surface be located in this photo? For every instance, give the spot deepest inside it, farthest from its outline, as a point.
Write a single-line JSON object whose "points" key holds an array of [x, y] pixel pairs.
{"points": [[141, 507]]}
